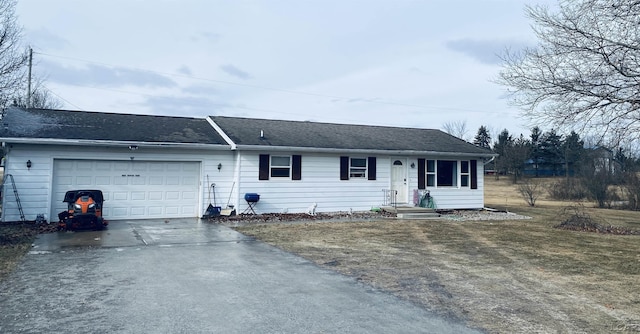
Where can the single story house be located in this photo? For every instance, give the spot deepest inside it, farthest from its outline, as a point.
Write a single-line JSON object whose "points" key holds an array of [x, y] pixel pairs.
{"points": [[170, 167]]}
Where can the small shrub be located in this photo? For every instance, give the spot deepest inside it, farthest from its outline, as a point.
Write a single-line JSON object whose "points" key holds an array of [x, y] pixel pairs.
{"points": [[567, 190], [530, 191]]}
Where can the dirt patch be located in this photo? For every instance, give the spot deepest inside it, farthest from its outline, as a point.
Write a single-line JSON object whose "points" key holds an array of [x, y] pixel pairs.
{"points": [[500, 272]]}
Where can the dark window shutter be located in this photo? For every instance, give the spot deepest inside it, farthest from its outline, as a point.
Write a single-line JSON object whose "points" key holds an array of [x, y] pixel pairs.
{"points": [[263, 173], [344, 168], [422, 173], [371, 168], [474, 174], [296, 167]]}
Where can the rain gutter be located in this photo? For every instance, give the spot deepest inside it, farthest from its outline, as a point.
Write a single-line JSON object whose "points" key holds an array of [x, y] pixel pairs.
{"points": [[114, 143], [359, 151]]}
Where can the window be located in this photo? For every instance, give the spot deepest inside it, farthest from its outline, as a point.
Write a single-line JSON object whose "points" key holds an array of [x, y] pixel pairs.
{"points": [[431, 173], [444, 173], [447, 173], [280, 166], [358, 168], [464, 173]]}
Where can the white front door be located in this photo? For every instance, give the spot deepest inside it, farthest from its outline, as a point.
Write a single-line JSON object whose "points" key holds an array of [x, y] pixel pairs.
{"points": [[399, 179]]}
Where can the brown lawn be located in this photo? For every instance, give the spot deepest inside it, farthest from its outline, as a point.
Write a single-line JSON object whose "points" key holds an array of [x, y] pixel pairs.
{"points": [[507, 276]]}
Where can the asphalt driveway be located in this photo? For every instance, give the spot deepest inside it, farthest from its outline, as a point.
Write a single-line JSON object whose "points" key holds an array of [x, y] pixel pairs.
{"points": [[186, 276]]}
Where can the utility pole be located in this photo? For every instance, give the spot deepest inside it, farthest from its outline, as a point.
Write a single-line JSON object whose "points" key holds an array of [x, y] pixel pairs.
{"points": [[29, 78]]}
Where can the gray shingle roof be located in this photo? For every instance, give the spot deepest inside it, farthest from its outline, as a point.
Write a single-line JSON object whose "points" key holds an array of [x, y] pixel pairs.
{"points": [[83, 125], [246, 131]]}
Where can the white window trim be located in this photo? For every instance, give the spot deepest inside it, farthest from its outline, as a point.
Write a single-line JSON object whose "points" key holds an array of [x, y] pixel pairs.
{"points": [[272, 166], [364, 169]]}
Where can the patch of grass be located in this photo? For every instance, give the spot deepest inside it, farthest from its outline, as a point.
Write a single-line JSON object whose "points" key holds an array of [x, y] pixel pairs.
{"points": [[501, 276], [15, 241]]}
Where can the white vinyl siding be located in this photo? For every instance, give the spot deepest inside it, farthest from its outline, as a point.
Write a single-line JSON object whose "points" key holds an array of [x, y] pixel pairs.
{"points": [[459, 197], [35, 185], [321, 184]]}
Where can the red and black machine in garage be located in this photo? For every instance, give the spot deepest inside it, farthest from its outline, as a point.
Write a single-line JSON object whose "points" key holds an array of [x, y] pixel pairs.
{"points": [[84, 210]]}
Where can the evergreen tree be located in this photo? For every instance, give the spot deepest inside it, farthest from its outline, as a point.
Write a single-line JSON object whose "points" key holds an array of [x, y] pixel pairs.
{"points": [[535, 152], [573, 148], [482, 138], [551, 151], [501, 147]]}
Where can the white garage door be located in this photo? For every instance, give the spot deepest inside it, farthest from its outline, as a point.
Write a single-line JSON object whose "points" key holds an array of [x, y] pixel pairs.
{"points": [[132, 189]]}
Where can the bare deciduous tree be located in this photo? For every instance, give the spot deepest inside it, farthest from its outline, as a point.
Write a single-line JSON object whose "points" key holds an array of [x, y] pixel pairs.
{"points": [[585, 72], [41, 98], [457, 128], [13, 57]]}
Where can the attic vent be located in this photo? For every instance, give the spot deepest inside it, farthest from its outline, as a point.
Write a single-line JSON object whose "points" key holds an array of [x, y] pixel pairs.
{"points": [[261, 134]]}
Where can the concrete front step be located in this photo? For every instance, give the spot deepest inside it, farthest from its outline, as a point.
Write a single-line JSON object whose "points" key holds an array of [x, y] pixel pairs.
{"points": [[412, 212], [426, 215]]}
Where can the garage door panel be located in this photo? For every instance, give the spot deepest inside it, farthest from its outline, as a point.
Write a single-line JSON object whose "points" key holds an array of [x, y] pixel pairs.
{"points": [[172, 195], [155, 211], [65, 180], [155, 195], [138, 211], [173, 167], [189, 181], [140, 167], [120, 196], [171, 210], [190, 168], [84, 180], [85, 165], [138, 195], [65, 164], [140, 189], [156, 180], [118, 212], [121, 166], [139, 180], [173, 180], [120, 181], [103, 180], [188, 210], [103, 165], [188, 195]]}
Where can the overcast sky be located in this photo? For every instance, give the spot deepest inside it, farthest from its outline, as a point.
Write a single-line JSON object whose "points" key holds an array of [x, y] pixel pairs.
{"points": [[415, 63]]}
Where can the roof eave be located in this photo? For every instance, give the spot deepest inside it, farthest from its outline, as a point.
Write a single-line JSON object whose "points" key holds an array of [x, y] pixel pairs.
{"points": [[360, 151], [84, 142]]}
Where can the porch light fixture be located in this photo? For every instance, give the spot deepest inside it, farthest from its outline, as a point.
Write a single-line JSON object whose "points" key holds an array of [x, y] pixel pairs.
{"points": [[133, 147], [28, 164], [219, 167], [413, 165]]}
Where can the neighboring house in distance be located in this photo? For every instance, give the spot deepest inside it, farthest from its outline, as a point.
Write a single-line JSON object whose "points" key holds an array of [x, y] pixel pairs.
{"points": [[343, 167], [164, 167]]}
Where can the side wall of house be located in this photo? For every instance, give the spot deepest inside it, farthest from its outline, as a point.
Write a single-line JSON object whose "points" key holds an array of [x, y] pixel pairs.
{"points": [[320, 183], [34, 185], [450, 198]]}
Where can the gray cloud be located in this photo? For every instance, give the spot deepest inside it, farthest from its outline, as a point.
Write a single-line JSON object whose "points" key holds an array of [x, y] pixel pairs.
{"points": [[208, 37], [183, 106], [43, 39], [236, 72], [200, 90], [486, 52], [184, 69], [100, 75]]}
